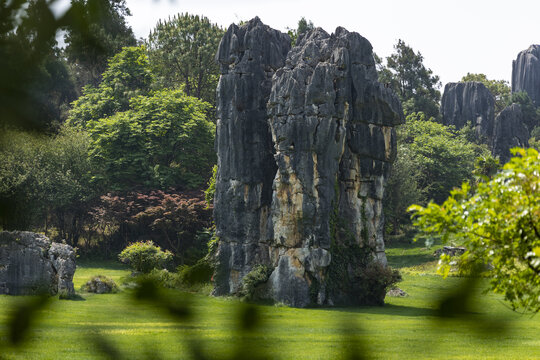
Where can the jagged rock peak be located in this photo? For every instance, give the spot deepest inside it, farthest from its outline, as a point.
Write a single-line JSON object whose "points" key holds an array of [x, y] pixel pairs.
{"points": [[255, 43], [510, 131], [472, 102], [526, 73]]}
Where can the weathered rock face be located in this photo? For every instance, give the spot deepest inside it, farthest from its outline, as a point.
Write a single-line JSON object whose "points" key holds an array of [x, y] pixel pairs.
{"points": [[30, 264], [526, 73], [317, 220], [510, 131], [248, 57], [469, 102]]}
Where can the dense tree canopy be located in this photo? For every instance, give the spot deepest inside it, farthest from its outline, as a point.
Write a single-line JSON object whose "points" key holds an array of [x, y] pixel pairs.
{"points": [[499, 225], [163, 140], [182, 51], [45, 180], [432, 159], [444, 156], [415, 84], [127, 75]]}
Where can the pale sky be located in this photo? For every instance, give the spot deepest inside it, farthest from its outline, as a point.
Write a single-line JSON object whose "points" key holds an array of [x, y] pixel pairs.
{"points": [[454, 36]]}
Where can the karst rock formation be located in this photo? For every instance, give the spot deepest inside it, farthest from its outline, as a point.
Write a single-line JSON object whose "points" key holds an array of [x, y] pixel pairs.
{"points": [[472, 102], [510, 131], [31, 264], [305, 142], [469, 102], [526, 73]]}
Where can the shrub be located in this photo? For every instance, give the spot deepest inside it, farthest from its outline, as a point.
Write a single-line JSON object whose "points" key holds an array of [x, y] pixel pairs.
{"points": [[257, 276], [199, 273], [100, 284], [161, 277], [374, 281], [144, 256]]}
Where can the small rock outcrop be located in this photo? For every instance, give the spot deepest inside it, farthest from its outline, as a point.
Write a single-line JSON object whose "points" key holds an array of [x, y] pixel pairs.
{"points": [[30, 264], [305, 142], [472, 102], [100, 284], [450, 250], [526, 73], [509, 132]]}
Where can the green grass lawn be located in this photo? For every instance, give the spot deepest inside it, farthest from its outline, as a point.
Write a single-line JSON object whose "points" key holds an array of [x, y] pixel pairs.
{"points": [[405, 328]]}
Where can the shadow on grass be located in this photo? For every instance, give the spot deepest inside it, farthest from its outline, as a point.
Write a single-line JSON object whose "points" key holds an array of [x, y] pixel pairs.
{"points": [[401, 261], [102, 264], [75, 297], [388, 309]]}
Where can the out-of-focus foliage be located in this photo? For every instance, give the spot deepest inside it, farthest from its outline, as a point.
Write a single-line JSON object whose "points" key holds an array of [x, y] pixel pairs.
{"points": [[106, 34], [498, 88], [164, 140], [128, 75], [34, 82], [182, 51], [144, 256], [499, 225], [415, 84]]}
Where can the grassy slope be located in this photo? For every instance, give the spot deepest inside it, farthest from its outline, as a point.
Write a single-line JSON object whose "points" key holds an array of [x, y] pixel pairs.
{"points": [[405, 328]]}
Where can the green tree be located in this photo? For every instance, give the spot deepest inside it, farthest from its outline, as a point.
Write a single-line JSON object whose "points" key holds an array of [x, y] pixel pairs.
{"points": [[46, 180], [105, 34], [182, 51], [402, 189], [444, 156], [498, 88], [415, 84], [432, 159], [163, 140], [499, 225], [303, 27], [128, 75]]}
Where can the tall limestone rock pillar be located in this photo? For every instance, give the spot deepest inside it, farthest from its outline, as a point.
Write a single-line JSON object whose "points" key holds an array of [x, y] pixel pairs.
{"points": [[469, 102], [248, 57], [314, 215], [510, 131], [526, 73]]}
